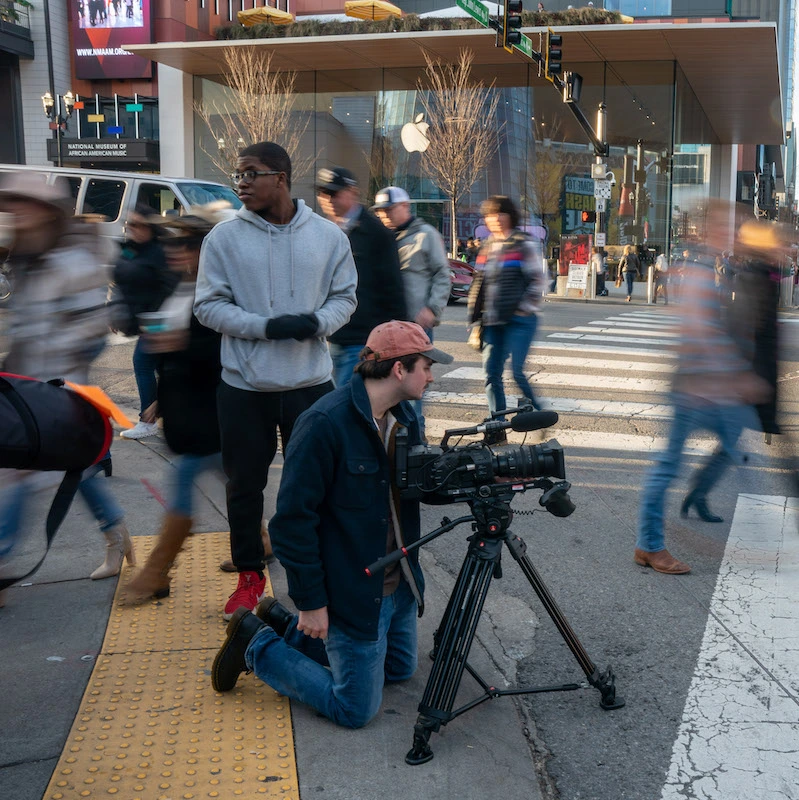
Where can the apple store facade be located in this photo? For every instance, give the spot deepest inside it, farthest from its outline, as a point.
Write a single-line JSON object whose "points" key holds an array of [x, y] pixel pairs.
{"points": [[680, 105]]}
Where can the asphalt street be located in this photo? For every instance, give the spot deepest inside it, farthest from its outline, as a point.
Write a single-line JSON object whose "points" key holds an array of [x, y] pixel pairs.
{"points": [[605, 367]]}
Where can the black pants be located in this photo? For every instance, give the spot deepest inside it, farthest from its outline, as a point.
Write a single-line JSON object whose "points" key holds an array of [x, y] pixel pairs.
{"points": [[248, 422]]}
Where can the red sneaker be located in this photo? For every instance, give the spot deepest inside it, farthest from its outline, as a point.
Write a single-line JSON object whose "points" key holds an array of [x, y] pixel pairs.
{"points": [[248, 593]]}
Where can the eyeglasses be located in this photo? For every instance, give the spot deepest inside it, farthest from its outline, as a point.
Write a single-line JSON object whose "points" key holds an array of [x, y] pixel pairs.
{"points": [[249, 175]]}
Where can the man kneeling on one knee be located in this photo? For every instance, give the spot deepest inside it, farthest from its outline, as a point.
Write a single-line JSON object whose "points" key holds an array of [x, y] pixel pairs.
{"points": [[337, 512]]}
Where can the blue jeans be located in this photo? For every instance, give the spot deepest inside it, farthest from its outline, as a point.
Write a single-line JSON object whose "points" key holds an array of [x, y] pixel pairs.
{"points": [[727, 423], [350, 691], [98, 497], [144, 370], [500, 341], [630, 278], [188, 469], [345, 357]]}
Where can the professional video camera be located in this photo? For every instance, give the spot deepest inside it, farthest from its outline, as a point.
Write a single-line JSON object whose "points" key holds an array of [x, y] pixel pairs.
{"points": [[440, 474]]}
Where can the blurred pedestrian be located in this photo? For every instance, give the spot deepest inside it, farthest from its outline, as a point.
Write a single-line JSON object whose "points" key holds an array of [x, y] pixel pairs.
{"points": [[188, 364], [275, 280], [661, 278], [715, 389], [423, 260], [144, 281], [380, 292], [598, 268], [58, 323], [504, 299], [629, 268]]}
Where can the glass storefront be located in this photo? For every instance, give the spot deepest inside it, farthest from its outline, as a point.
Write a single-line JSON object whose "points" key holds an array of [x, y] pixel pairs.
{"points": [[373, 122]]}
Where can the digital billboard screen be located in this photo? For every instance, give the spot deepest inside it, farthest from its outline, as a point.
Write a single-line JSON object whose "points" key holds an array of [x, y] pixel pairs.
{"points": [[101, 28]]}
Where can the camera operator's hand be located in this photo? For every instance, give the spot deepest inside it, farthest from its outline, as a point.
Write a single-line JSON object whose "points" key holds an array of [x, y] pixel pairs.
{"points": [[292, 326], [314, 623]]}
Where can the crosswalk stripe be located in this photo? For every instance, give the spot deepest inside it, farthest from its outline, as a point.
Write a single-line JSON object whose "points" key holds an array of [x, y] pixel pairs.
{"points": [[622, 331], [738, 734], [593, 338], [566, 405], [652, 315], [601, 348], [585, 440], [604, 364], [577, 381], [616, 322]]}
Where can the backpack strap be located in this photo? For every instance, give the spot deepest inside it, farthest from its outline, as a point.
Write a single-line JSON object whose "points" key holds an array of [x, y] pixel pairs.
{"points": [[58, 510]]}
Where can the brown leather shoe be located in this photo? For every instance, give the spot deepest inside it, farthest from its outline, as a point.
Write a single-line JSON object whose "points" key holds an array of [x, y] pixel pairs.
{"points": [[662, 561]]}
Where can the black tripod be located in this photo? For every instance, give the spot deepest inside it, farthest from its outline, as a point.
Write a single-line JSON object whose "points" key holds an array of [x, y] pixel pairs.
{"points": [[491, 517]]}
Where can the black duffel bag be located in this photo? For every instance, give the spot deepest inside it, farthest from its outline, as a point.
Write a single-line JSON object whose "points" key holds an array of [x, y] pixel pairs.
{"points": [[46, 427]]}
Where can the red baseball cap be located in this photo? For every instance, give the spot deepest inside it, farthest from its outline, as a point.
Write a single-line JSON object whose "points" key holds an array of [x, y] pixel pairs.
{"points": [[394, 339]]}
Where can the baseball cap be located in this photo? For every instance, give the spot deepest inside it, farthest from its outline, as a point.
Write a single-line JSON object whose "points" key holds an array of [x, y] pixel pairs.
{"points": [[390, 196], [395, 339], [335, 179]]}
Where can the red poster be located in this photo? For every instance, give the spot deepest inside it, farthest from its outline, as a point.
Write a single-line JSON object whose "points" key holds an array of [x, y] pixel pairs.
{"points": [[100, 30], [575, 248]]}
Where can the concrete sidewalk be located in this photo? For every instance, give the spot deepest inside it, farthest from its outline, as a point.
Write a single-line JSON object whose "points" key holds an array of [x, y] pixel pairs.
{"points": [[53, 625]]}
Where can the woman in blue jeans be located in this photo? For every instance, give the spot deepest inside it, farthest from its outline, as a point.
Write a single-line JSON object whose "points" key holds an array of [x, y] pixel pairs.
{"points": [[505, 298]]}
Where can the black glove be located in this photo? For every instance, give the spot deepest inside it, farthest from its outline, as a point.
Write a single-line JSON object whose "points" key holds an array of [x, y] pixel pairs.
{"points": [[292, 326]]}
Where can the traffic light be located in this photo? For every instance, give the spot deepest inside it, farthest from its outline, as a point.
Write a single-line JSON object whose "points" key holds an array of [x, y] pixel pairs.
{"points": [[589, 216], [511, 35], [572, 87], [554, 54]]}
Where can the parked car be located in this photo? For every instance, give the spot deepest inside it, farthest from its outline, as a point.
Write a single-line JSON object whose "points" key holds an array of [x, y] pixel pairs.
{"points": [[460, 274], [116, 194]]}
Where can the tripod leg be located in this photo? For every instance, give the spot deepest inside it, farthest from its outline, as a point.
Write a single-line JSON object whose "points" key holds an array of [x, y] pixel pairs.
{"points": [[605, 682], [452, 642]]}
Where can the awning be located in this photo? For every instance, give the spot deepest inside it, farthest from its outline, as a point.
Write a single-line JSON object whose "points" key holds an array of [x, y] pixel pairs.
{"points": [[254, 16], [371, 9], [740, 96]]}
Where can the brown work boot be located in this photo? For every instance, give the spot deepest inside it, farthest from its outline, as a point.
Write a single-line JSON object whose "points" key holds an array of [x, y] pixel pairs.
{"points": [[662, 561], [152, 581], [269, 556]]}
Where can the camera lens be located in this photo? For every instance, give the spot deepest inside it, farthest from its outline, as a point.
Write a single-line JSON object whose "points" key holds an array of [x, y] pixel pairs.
{"points": [[530, 461]]}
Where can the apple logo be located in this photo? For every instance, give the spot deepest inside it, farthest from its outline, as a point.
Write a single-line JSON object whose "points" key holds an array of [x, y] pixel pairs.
{"points": [[414, 135]]}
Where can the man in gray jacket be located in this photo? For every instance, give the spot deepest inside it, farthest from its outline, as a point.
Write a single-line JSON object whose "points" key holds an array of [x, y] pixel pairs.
{"points": [[423, 261], [275, 280]]}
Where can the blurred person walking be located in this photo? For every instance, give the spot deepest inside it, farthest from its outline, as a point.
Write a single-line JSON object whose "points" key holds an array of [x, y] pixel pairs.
{"points": [[144, 280], [714, 389], [504, 299], [599, 269], [380, 293], [188, 364], [630, 267], [275, 280], [423, 260], [58, 324], [661, 278]]}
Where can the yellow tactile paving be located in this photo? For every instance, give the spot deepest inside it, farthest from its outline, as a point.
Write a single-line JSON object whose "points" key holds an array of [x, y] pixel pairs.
{"points": [[151, 727]]}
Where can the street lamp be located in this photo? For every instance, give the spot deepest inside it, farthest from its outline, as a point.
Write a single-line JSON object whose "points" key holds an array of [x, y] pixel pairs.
{"points": [[52, 110]]}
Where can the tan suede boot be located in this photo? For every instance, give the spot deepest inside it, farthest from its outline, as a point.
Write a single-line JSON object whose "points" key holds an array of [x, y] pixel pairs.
{"points": [[118, 547], [152, 581], [269, 556]]}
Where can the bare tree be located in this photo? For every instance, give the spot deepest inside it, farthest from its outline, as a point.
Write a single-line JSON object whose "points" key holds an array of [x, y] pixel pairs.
{"points": [[256, 106], [463, 135]]}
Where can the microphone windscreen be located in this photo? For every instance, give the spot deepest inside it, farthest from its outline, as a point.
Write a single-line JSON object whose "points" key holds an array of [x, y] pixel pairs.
{"points": [[533, 420]]}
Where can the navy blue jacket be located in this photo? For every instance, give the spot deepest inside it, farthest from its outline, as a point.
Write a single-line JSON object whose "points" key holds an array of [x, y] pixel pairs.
{"points": [[333, 509]]}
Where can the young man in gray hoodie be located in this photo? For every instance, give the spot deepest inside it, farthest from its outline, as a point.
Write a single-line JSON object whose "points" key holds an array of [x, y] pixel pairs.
{"points": [[275, 280]]}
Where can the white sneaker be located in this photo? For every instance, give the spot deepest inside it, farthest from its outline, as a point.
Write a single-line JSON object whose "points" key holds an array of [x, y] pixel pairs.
{"points": [[140, 431]]}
